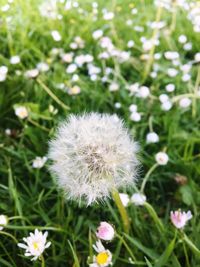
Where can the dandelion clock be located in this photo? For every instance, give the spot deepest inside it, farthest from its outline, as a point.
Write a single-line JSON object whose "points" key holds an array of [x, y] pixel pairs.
{"points": [[92, 157]]}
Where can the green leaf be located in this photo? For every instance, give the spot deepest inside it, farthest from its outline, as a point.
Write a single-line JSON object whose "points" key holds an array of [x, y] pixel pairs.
{"points": [[148, 262], [166, 254], [149, 252], [192, 246], [187, 194], [76, 261]]}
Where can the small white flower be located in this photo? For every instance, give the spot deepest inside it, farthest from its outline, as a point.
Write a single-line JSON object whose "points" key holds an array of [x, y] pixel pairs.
{"points": [[39, 162], [197, 57], [152, 137], [163, 98], [138, 199], [97, 34], [35, 245], [14, 60], [130, 44], [187, 46], [143, 92], [42, 66], [171, 55], [103, 258], [21, 112], [133, 108], [182, 39], [108, 16], [167, 105], [3, 221], [74, 90], [3, 73], [56, 36], [135, 116], [186, 77], [71, 68], [161, 158], [124, 199], [8, 131], [91, 154], [172, 72], [185, 102], [105, 231], [170, 87], [113, 87], [33, 73], [179, 219]]}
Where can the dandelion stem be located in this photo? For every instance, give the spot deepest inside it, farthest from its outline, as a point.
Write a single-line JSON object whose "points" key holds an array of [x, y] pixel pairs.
{"points": [[147, 177], [122, 211], [196, 93], [52, 95]]}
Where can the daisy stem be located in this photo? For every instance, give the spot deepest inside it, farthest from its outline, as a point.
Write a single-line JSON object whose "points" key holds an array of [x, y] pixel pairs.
{"points": [[52, 95], [122, 211], [147, 177], [151, 53], [42, 261]]}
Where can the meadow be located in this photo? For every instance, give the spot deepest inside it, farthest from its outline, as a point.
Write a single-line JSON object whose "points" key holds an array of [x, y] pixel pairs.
{"points": [[139, 60]]}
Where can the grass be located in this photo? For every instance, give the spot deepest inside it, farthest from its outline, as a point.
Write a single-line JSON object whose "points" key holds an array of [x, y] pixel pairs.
{"points": [[29, 197]]}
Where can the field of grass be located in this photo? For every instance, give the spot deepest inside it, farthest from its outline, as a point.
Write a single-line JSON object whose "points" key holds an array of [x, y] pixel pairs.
{"points": [[137, 59]]}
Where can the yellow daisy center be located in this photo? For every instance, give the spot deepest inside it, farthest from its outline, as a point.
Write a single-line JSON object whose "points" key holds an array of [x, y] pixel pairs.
{"points": [[102, 258], [35, 245]]}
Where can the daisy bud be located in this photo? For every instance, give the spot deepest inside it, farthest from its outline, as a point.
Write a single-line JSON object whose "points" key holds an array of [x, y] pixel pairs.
{"points": [[138, 199], [179, 219], [3, 221], [105, 231], [161, 158], [152, 138]]}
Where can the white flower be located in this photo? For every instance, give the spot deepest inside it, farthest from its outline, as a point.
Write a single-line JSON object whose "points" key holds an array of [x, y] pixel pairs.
{"points": [[35, 245], [14, 60], [143, 92], [133, 108], [74, 90], [152, 137], [108, 15], [39, 162], [135, 116], [3, 221], [103, 258], [161, 158], [21, 112], [56, 36], [171, 55], [185, 102], [71, 68], [172, 72], [130, 44], [3, 73], [138, 199], [167, 105], [179, 219], [163, 98], [33, 73], [186, 77], [124, 199], [197, 57], [113, 87], [170, 87], [42, 66], [97, 34], [105, 231], [118, 105], [48, 9], [182, 39], [187, 46], [92, 154]]}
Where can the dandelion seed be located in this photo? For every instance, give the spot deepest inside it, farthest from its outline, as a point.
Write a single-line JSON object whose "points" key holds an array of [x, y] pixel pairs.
{"points": [[93, 154], [35, 245]]}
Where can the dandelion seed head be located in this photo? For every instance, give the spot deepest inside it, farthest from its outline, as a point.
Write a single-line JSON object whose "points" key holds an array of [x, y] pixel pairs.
{"points": [[91, 155]]}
